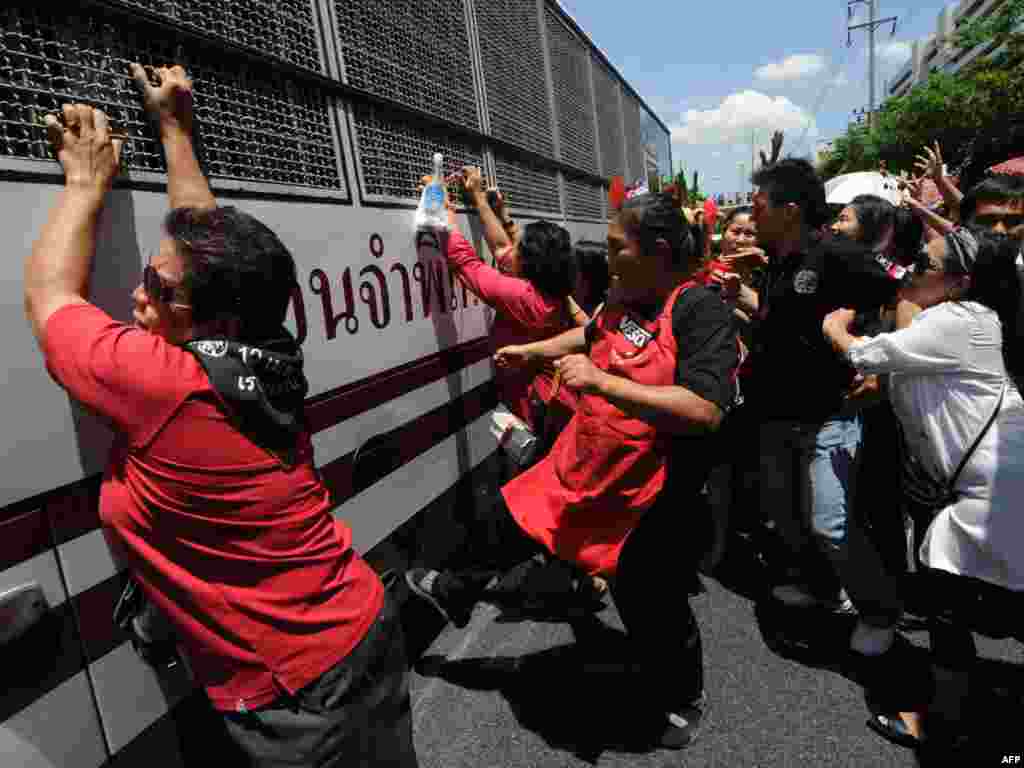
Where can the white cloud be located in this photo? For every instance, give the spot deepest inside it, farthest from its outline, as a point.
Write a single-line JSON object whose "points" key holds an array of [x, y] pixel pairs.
{"points": [[792, 68], [894, 52], [740, 114]]}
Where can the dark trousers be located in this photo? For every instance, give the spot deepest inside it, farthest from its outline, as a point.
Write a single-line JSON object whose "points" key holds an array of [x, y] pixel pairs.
{"points": [[657, 564], [358, 713]]}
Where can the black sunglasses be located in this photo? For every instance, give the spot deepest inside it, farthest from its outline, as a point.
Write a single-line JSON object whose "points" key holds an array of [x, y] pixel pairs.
{"points": [[157, 290]]}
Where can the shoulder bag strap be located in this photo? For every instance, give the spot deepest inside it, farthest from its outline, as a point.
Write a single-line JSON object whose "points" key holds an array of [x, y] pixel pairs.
{"points": [[977, 441]]}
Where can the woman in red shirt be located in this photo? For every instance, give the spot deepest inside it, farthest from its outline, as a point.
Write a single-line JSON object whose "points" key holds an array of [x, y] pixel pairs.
{"points": [[529, 290], [211, 498]]}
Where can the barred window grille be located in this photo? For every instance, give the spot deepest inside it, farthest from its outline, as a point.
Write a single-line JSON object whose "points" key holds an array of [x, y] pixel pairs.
{"points": [[394, 153], [285, 29], [253, 125], [634, 140], [513, 65], [574, 102], [527, 186], [609, 121], [415, 52], [583, 200]]}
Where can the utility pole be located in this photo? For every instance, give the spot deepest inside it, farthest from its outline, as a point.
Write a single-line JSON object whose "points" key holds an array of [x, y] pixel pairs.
{"points": [[872, 24]]}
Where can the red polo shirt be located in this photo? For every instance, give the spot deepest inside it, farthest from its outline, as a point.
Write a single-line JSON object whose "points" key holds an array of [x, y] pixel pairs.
{"points": [[243, 556]]}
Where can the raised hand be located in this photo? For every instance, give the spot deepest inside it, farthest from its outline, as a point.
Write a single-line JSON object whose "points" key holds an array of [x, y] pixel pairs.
{"points": [[83, 146], [930, 162], [746, 257], [777, 138], [169, 104], [473, 182]]}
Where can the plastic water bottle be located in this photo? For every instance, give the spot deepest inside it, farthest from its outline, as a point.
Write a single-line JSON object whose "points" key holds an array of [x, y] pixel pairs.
{"points": [[431, 213]]}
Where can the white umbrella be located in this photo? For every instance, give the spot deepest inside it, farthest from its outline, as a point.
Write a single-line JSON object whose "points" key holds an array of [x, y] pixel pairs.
{"points": [[842, 189]]}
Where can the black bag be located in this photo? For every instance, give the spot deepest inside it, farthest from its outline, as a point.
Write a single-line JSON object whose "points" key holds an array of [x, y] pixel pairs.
{"points": [[926, 495]]}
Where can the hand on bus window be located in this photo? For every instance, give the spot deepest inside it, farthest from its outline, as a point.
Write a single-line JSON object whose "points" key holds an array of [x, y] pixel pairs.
{"points": [[85, 149], [169, 104], [473, 183]]}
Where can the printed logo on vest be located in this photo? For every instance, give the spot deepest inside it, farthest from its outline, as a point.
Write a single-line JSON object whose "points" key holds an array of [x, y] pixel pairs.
{"points": [[805, 281], [635, 334], [212, 348]]}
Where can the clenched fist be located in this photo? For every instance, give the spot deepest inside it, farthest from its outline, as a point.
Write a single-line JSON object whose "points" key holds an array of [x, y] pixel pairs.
{"points": [[579, 373]]}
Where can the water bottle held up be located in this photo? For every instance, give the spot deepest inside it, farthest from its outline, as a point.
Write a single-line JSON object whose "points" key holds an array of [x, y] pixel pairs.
{"points": [[431, 213]]}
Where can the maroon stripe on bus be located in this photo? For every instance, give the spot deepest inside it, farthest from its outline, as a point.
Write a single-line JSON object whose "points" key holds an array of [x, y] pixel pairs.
{"points": [[383, 454], [379, 457], [73, 510], [343, 403], [94, 610], [23, 537], [76, 512]]}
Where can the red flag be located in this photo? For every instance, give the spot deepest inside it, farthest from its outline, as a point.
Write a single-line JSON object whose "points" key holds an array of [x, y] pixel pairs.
{"points": [[616, 193]]}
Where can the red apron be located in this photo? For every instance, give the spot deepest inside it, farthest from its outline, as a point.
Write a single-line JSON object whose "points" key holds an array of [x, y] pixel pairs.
{"points": [[606, 468]]}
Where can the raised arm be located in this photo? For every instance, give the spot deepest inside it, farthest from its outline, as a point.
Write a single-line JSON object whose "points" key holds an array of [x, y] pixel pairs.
{"points": [[931, 162], [170, 108], [494, 230], [57, 271], [548, 350]]}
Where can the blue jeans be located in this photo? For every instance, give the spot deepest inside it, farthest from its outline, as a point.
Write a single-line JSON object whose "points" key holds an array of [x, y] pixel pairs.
{"points": [[807, 478]]}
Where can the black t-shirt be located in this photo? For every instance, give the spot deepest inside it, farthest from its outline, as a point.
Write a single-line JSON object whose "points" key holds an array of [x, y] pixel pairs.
{"points": [[706, 365], [796, 373]]}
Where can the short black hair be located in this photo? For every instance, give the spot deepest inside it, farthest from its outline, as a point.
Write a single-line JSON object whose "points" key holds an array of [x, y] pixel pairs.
{"points": [[546, 258], [876, 215], [653, 216], [908, 236], [996, 283], [997, 188], [592, 266], [794, 180], [234, 265]]}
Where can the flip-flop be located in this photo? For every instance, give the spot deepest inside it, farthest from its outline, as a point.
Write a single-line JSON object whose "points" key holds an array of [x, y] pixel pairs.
{"points": [[895, 730]]}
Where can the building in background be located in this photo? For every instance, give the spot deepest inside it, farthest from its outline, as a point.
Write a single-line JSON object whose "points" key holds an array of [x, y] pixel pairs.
{"points": [[937, 51]]}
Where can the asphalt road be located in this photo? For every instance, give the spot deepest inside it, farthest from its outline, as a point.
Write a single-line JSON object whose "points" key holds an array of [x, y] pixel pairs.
{"points": [[544, 693]]}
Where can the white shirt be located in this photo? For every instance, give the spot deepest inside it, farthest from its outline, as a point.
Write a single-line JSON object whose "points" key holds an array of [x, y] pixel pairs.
{"points": [[947, 372]]}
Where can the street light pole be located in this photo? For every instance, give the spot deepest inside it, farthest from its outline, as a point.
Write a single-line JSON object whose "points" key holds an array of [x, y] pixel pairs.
{"points": [[872, 24]]}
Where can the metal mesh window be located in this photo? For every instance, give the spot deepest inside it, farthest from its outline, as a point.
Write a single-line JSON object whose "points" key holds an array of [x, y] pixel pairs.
{"points": [[513, 64], [254, 125], [574, 103], [528, 187], [415, 52], [394, 152], [282, 28], [583, 199], [609, 120], [634, 140]]}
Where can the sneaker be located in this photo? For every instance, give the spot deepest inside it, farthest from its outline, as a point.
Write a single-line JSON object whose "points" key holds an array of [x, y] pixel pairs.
{"points": [[682, 726], [423, 583]]}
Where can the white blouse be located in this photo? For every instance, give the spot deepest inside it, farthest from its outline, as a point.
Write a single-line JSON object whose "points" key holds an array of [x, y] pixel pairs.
{"points": [[946, 373]]}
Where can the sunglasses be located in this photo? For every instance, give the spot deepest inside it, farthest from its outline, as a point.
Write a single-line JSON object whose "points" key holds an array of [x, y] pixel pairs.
{"points": [[157, 290]]}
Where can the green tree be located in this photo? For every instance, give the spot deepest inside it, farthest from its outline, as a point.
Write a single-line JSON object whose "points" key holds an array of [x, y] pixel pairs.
{"points": [[976, 114]]}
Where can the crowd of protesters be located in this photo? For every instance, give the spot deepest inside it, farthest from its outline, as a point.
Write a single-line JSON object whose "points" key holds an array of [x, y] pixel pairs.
{"points": [[777, 386]]}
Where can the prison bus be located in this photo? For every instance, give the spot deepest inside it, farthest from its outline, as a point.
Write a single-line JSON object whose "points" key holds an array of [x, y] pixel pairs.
{"points": [[317, 117]]}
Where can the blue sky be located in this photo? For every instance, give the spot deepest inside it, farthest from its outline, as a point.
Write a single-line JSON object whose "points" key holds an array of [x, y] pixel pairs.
{"points": [[714, 72]]}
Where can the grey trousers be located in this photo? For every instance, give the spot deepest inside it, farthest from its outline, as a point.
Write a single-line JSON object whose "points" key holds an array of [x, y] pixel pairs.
{"points": [[356, 714]]}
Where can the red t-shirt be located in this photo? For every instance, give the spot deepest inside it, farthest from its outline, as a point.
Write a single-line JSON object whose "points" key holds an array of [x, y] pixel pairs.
{"points": [[243, 556]]}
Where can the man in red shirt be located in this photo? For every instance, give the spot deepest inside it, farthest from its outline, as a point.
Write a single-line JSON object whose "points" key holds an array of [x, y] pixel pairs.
{"points": [[211, 498], [618, 494]]}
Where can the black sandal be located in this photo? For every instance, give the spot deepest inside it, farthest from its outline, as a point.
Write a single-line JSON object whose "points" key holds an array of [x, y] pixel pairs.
{"points": [[895, 730]]}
